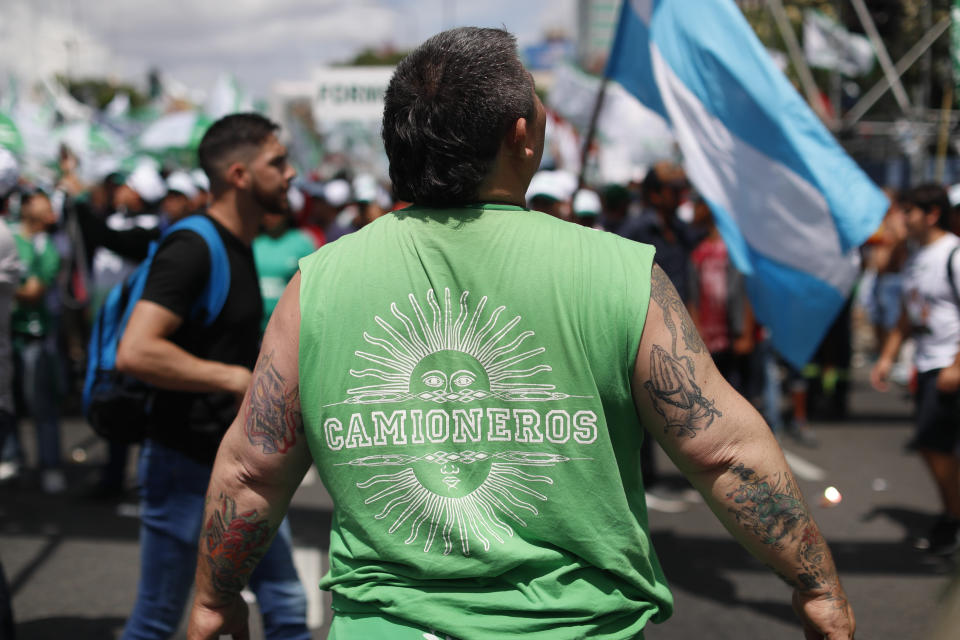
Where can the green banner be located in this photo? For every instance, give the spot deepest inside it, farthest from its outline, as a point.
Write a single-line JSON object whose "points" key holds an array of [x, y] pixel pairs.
{"points": [[9, 135]]}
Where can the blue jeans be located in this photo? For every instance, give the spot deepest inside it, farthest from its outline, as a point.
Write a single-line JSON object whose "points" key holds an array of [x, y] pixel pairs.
{"points": [[884, 309], [771, 385], [36, 373], [172, 499]]}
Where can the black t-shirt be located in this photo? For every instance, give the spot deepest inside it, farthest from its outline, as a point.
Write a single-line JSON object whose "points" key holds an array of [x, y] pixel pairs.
{"points": [[194, 423], [672, 257]]}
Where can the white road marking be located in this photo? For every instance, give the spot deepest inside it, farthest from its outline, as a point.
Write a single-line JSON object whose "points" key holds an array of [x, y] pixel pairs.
{"points": [[311, 477], [804, 469], [307, 561]]}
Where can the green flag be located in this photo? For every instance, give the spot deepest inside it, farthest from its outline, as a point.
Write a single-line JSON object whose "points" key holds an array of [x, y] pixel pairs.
{"points": [[10, 137]]}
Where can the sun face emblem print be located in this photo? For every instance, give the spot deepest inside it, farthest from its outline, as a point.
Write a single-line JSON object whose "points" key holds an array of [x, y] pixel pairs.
{"points": [[452, 359], [447, 360]]}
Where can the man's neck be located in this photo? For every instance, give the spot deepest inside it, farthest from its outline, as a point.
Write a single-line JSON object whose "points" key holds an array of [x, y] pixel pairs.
{"points": [[506, 183], [933, 235], [277, 232], [502, 195], [28, 230], [228, 211]]}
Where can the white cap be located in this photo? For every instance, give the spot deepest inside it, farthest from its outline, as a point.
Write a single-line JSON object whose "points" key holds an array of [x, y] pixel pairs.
{"points": [[9, 172], [365, 188], [337, 192], [296, 199], [567, 182], [146, 181], [953, 194], [547, 184], [200, 179], [103, 166], [181, 182], [384, 199], [586, 203]]}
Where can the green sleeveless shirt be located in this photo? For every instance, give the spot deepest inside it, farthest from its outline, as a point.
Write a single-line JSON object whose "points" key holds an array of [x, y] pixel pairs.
{"points": [[465, 387]]}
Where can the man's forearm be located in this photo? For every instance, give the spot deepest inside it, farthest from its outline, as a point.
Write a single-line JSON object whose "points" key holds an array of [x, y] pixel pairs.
{"points": [[757, 499], [31, 291], [163, 364], [244, 507], [237, 531], [891, 346]]}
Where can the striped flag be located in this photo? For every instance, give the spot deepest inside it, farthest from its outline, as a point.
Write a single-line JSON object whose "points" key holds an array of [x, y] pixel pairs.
{"points": [[791, 205]]}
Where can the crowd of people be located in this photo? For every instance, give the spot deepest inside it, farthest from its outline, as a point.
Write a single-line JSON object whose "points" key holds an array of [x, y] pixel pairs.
{"points": [[79, 240], [76, 241]]}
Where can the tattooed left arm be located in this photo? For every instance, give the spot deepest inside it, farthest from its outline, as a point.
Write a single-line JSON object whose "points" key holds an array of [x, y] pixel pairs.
{"points": [[720, 442], [259, 465]]}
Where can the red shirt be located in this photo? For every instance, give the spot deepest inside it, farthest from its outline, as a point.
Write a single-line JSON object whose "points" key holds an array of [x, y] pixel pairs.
{"points": [[710, 263]]}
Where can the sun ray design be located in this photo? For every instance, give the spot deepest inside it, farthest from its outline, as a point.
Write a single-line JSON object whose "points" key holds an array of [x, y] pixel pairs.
{"points": [[496, 348], [489, 512]]}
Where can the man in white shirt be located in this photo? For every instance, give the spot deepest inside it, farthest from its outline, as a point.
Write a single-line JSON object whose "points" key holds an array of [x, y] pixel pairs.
{"points": [[930, 313]]}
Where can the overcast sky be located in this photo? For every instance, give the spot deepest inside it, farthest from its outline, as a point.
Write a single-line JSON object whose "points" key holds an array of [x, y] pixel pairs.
{"points": [[257, 40]]}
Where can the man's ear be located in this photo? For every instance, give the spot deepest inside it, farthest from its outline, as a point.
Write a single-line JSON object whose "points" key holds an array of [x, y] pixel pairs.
{"points": [[518, 139], [237, 175]]}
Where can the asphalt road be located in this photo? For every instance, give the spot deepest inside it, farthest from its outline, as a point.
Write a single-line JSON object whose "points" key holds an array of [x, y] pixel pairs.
{"points": [[72, 563]]}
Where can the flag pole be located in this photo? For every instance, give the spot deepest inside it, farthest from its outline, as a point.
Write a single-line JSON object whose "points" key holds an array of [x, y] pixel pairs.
{"points": [[799, 63], [591, 129], [944, 134], [882, 56], [883, 85]]}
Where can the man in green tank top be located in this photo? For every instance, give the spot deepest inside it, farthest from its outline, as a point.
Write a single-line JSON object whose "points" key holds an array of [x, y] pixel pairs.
{"points": [[473, 382]]}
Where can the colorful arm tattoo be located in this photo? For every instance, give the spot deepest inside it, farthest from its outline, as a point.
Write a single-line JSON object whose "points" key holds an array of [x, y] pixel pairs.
{"points": [[273, 417], [773, 509], [233, 545]]}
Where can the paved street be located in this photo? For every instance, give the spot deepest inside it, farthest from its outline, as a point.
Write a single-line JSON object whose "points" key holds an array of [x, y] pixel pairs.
{"points": [[73, 563]]}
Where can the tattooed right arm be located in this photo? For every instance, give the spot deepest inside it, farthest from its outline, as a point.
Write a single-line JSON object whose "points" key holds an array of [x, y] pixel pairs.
{"points": [[259, 465], [726, 450]]}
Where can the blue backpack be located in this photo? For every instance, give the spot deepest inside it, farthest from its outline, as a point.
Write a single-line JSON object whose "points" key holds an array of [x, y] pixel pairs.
{"points": [[117, 405]]}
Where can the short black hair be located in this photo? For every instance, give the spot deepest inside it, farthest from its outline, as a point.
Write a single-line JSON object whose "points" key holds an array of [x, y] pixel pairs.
{"points": [[229, 134], [446, 110], [29, 195], [927, 197], [651, 183]]}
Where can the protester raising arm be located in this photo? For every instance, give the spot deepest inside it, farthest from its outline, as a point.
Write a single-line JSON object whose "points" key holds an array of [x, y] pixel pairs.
{"points": [[259, 465], [725, 449]]}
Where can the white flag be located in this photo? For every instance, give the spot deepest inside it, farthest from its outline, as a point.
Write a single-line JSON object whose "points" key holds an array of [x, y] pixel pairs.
{"points": [[826, 44]]}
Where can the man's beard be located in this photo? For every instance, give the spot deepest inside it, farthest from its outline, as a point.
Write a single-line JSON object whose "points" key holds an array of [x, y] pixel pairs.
{"points": [[272, 202]]}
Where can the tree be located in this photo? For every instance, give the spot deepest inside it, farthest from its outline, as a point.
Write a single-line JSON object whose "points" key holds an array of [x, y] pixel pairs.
{"points": [[98, 92], [385, 56]]}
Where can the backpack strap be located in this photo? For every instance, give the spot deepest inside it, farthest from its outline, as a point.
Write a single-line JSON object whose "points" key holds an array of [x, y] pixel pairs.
{"points": [[214, 294], [950, 276]]}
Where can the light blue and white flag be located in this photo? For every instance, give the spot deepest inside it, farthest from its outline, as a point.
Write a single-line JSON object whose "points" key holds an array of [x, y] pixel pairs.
{"points": [[791, 205]]}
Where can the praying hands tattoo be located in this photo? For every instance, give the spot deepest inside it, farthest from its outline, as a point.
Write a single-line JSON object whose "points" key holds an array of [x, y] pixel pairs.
{"points": [[272, 419], [673, 391]]}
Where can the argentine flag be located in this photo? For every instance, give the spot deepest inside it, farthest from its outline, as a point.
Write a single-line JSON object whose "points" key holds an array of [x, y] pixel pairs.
{"points": [[791, 205]]}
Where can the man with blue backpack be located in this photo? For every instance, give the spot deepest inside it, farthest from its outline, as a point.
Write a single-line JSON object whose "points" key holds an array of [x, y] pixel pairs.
{"points": [[190, 330]]}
